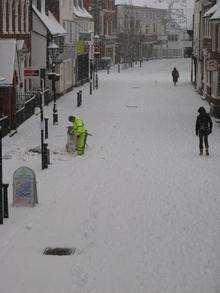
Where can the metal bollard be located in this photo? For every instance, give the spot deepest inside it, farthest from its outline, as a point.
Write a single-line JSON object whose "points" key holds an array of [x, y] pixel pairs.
{"points": [[5, 201], [96, 81], [118, 67], [1, 208], [46, 127], [93, 80], [55, 115], [78, 99], [90, 87], [45, 161], [48, 156]]}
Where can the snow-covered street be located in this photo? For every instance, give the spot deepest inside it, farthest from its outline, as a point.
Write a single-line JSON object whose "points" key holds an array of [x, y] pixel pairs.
{"points": [[141, 207]]}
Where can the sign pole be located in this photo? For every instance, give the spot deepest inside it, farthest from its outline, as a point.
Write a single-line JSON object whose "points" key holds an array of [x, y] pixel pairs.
{"points": [[1, 196]]}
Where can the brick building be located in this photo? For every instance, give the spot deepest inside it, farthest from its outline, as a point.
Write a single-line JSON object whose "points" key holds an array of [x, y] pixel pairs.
{"points": [[15, 27]]}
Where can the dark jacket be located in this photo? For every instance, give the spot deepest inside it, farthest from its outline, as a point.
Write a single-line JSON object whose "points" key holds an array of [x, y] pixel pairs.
{"points": [[203, 123], [175, 75]]}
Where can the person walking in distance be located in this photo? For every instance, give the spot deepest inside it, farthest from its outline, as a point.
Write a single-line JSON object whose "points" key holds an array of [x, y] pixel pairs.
{"points": [[203, 129], [175, 75]]}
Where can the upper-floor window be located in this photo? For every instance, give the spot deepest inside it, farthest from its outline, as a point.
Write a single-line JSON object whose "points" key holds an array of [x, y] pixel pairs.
{"points": [[172, 38]]}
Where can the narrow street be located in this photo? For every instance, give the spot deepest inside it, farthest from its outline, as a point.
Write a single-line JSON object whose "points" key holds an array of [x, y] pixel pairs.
{"points": [[141, 207]]}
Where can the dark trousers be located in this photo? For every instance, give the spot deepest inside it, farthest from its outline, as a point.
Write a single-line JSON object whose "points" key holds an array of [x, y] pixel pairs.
{"points": [[203, 137]]}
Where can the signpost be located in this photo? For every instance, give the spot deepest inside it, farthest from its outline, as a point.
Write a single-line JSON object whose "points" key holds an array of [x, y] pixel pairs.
{"points": [[24, 187]]}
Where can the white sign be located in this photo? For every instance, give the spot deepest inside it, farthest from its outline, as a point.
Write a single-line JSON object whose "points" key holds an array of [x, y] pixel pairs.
{"points": [[24, 187]]}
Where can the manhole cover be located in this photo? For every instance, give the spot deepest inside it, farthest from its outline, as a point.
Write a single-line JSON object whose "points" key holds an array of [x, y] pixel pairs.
{"points": [[59, 251]]}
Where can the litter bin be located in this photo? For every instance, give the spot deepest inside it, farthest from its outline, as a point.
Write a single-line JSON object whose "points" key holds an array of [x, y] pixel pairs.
{"points": [[71, 141]]}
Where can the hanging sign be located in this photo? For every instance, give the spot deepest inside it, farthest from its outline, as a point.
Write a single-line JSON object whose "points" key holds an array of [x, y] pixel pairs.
{"points": [[24, 187]]}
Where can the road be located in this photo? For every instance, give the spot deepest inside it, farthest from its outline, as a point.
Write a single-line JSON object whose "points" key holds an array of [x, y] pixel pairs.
{"points": [[141, 207]]}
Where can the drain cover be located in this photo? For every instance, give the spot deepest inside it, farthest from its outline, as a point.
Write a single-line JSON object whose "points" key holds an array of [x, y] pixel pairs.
{"points": [[59, 251]]}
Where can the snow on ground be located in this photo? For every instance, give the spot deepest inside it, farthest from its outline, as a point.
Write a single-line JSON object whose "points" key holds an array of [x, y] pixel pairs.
{"points": [[140, 207]]}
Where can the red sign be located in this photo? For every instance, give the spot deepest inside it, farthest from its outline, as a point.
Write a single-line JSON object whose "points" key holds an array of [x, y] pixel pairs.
{"points": [[31, 72]]}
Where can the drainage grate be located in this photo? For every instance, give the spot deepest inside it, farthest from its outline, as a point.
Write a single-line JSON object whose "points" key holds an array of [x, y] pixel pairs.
{"points": [[59, 251]]}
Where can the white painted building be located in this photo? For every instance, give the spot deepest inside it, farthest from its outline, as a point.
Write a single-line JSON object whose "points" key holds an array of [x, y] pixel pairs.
{"points": [[44, 27]]}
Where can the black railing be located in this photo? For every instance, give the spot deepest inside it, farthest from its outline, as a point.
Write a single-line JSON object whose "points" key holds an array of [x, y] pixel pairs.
{"points": [[4, 122]]}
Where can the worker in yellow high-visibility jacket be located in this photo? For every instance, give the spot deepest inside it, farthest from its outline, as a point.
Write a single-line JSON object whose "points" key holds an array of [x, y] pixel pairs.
{"points": [[78, 129]]}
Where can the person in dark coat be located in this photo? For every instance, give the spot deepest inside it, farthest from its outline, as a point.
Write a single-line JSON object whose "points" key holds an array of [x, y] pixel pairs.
{"points": [[175, 75], [203, 129]]}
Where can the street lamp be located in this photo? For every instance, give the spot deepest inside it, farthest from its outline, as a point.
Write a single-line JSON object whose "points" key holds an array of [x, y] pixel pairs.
{"points": [[53, 52], [2, 79]]}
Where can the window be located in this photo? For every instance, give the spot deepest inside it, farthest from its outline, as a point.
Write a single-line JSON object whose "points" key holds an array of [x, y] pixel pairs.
{"points": [[218, 84], [214, 31]]}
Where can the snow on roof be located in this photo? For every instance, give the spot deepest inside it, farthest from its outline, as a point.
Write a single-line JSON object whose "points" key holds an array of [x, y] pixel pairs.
{"points": [[81, 12], [216, 14], [143, 3], [7, 60], [50, 22], [211, 10]]}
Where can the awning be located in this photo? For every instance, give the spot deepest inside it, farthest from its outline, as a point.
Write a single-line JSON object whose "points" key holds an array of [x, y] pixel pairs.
{"points": [[216, 15], [50, 23], [81, 12], [211, 10], [7, 61]]}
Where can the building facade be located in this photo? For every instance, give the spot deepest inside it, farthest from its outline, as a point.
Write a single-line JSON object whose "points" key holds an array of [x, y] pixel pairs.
{"points": [[141, 32], [15, 27]]}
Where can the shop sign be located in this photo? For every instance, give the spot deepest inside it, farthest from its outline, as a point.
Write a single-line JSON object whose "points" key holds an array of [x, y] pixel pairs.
{"points": [[31, 72], [212, 65], [24, 187]]}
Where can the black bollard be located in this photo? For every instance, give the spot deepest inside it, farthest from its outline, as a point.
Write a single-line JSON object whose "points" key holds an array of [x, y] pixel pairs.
{"points": [[96, 81], [44, 155], [1, 196], [55, 115], [46, 127], [78, 99], [90, 87], [93, 80], [118, 67], [1, 208], [5, 195]]}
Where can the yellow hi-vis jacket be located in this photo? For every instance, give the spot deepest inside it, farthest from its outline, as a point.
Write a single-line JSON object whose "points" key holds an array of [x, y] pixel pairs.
{"points": [[78, 127]]}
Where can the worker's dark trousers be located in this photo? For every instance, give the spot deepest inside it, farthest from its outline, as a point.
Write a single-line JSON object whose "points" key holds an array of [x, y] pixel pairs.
{"points": [[203, 137]]}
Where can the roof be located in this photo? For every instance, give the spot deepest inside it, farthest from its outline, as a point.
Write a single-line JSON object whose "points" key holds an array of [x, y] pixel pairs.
{"points": [[50, 23], [211, 10], [216, 14], [7, 60], [81, 12], [142, 3]]}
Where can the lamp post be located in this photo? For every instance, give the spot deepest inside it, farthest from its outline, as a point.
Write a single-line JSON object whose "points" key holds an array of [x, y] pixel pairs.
{"points": [[53, 51], [2, 79]]}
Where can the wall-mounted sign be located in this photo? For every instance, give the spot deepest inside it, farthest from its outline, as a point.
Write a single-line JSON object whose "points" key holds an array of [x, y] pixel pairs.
{"points": [[31, 72], [24, 187], [212, 65]]}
